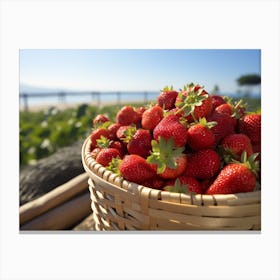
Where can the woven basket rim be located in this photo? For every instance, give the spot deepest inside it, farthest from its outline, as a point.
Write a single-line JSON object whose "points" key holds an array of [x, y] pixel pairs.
{"points": [[96, 170]]}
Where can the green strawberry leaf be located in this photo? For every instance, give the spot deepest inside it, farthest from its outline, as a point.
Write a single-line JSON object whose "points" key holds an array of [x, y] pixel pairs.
{"points": [[179, 188], [189, 99], [104, 125], [129, 133], [103, 142], [114, 165], [164, 154]]}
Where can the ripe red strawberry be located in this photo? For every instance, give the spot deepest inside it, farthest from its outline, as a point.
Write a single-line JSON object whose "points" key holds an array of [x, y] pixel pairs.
{"points": [[105, 156], [139, 110], [235, 109], [236, 178], [104, 142], [121, 131], [225, 125], [127, 115], [200, 136], [205, 184], [250, 125], [225, 108], [183, 184], [203, 164], [136, 169], [174, 172], [167, 98], [151, 117], [167, 160], [235, 144], [99, 119], [138, 142], [170, 127], [155, 183], [217, 100], [113, 128], [194, 102], [97, 133]]}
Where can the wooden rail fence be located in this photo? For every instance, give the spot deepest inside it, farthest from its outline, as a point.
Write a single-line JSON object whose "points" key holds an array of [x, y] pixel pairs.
{"points": [[94, 95]]}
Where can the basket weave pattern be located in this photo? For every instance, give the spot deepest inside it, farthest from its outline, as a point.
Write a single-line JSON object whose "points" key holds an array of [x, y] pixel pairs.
{"points": [[118, 204]]}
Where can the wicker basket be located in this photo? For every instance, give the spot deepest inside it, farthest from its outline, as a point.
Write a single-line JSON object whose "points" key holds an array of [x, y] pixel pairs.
{"points": [[118, 204]]}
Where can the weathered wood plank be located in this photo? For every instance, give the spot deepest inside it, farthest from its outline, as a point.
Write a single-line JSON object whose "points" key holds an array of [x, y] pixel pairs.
{"points": [[54, 198]]}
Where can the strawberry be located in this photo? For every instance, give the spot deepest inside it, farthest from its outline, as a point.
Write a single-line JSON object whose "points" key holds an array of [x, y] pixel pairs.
{"points": [[235, 109], [167, 98], [99, 119], [205, 184], [236, 177], [225, 125], [168, 160], [200, 136], [97, 133], [136, 169], [113, 128], [235, 144], [127, 115], [138, 141], [203, 164], [104, 142], [139, 110], [105, 156], [217, 100], [250, 125], [183, 184], [151, 117], [194, 102], [155, 183], [225, 108], [121, 131], [170, 127]]}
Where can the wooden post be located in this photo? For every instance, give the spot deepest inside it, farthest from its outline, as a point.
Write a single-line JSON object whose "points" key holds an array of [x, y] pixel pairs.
{"points": [[145, 97], [25, 101], [118, 98], [98, 99], [61, 96]]}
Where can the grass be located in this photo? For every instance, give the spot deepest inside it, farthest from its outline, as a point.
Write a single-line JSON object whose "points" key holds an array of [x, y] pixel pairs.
{"points": [[42, 133]]}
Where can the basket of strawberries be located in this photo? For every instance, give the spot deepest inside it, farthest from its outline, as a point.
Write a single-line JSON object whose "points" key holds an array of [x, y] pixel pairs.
{"points": [[191, 161]]}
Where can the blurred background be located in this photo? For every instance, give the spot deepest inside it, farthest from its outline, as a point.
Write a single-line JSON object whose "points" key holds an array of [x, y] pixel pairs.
{"points": [[60, 91]]}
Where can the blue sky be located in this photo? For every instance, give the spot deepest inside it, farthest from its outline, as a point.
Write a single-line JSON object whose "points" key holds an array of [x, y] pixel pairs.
{"points": [[129, 70]]}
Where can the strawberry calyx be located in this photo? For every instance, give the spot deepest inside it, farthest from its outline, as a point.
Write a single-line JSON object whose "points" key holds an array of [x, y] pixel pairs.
{"points": [[164, 154], [237, 106], [103, 142], [203, 121], [227, 155], [114, 165], [177, 187], [167, 88], [190, 97], [129, 133], [251, 162], [103, 125]]}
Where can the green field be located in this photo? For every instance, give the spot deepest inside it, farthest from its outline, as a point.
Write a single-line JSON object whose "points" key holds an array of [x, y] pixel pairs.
{"points": [[42, 133]]}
